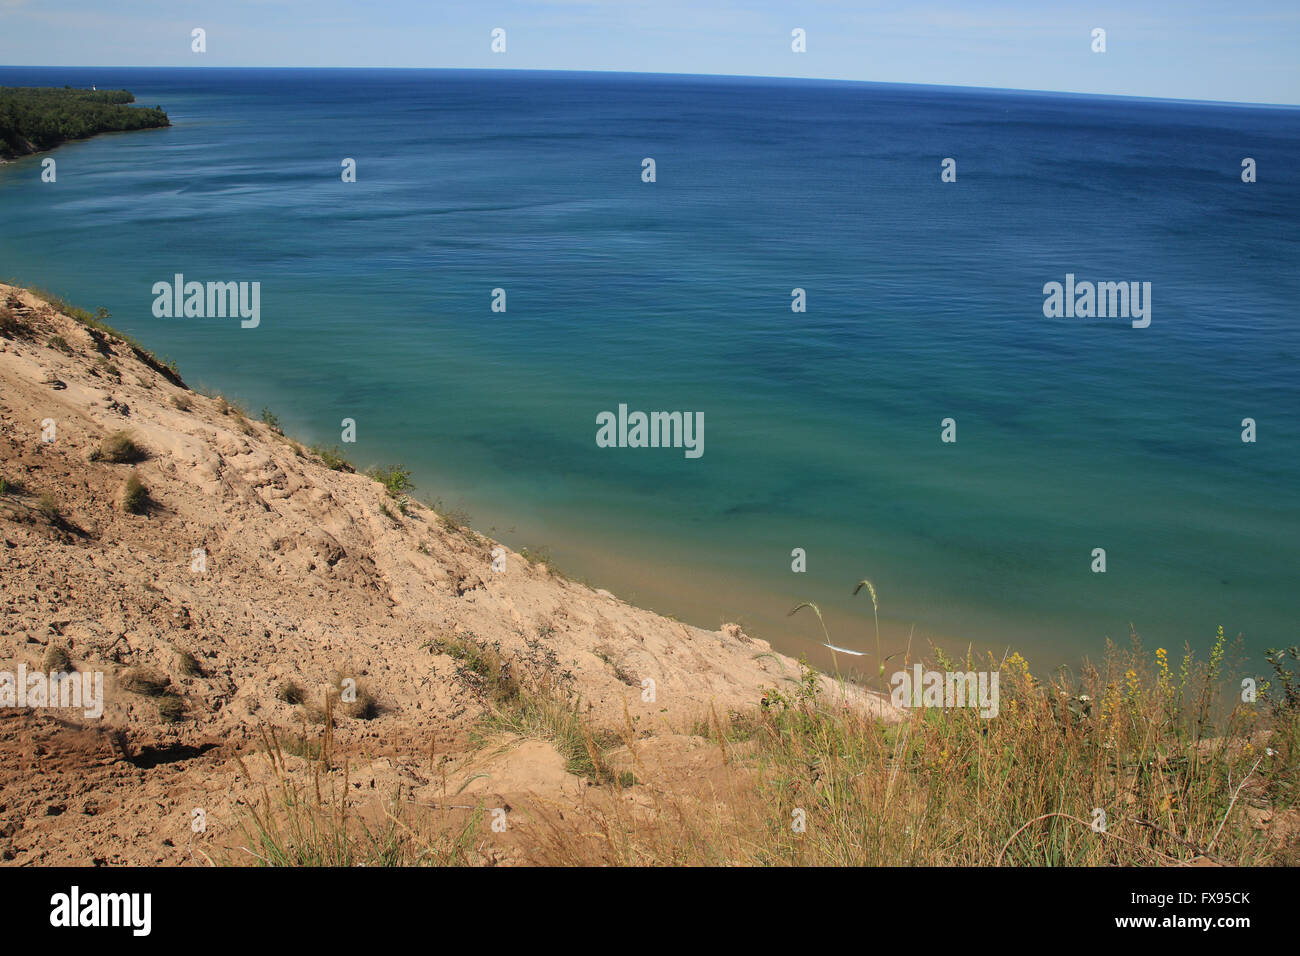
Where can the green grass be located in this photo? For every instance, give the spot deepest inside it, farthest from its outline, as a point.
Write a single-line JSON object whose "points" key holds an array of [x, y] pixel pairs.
{"points": [[554, 717], [542, 556], [331, 458], [1133, 738], [480, 666], [1142, 740], [395, 479]]}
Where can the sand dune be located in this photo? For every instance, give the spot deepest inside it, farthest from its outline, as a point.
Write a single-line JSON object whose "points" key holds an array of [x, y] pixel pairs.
{"points": [[311, 577]]}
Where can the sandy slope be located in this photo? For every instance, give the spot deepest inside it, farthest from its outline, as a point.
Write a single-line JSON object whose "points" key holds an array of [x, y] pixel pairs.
{"points": [[307, 580]]}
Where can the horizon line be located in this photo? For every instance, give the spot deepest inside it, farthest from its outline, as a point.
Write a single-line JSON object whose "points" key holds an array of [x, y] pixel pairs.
{"points": [[715, 76]]}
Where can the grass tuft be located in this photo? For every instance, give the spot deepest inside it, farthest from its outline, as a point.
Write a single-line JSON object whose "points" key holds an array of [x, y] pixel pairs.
{"points": [[48, 508], [56, 659], [135, 496], [140, 680], [119, 448], [291, 693], [331, 458]]}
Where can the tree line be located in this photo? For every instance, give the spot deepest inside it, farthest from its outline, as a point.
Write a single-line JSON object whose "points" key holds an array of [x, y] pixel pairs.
{"points": [[37, 118]]}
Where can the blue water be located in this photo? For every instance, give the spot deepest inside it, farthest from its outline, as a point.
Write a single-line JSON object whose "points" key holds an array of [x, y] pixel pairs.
{"points": [[821, 429]]}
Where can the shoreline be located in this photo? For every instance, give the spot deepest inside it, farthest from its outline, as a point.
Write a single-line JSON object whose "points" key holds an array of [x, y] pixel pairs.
{"points": [[114, 109], [232, 602], [682, 596], [244, 577]]}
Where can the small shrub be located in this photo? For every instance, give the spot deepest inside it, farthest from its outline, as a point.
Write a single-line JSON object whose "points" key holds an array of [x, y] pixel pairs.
{"points": [[120, 449], [188, 664], [57, 659], [182, 401], [542, 556], [10, 487], [1284, 690], [10, 325], [291, 693], [60, 343], [139, 680], [365, 707], [395, 479], [48, 508], [331, 458], [452, 519], [171, 708], [269, 418], [135, 496]]}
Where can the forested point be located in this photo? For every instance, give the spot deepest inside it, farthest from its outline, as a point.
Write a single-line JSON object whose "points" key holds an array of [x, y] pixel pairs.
{"points": [[37, 118]]}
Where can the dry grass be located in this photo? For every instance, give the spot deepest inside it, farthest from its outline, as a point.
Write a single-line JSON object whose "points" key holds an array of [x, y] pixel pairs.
{"points": [[142, 681], [317, 822], [120, 449], [291, 693], [1181, 768], [11, 327], [135, 496], [48, 508], [188, 664], [948, 788], [171, 708], [56, 659]]}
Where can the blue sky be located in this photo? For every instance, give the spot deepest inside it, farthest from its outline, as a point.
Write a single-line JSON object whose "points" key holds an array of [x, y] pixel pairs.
{"points": [[1192, 49]]}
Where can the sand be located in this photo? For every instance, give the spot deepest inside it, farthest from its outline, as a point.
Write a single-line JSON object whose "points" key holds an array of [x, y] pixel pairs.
{"points": [[307, 581]]}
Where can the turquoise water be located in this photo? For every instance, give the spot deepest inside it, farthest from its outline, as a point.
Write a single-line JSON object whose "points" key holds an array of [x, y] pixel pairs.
{"points": [[822, 429]]}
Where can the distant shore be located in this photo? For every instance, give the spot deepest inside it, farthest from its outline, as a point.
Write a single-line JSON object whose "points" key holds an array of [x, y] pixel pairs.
{"points": [[39, 119]]}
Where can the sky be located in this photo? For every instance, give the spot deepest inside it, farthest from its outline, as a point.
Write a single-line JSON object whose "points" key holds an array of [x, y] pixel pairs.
{"points": [[1239, 51]]}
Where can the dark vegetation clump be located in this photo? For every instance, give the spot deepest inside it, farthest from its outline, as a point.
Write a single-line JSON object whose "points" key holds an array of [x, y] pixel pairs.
{"points": [[36, 118]]}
